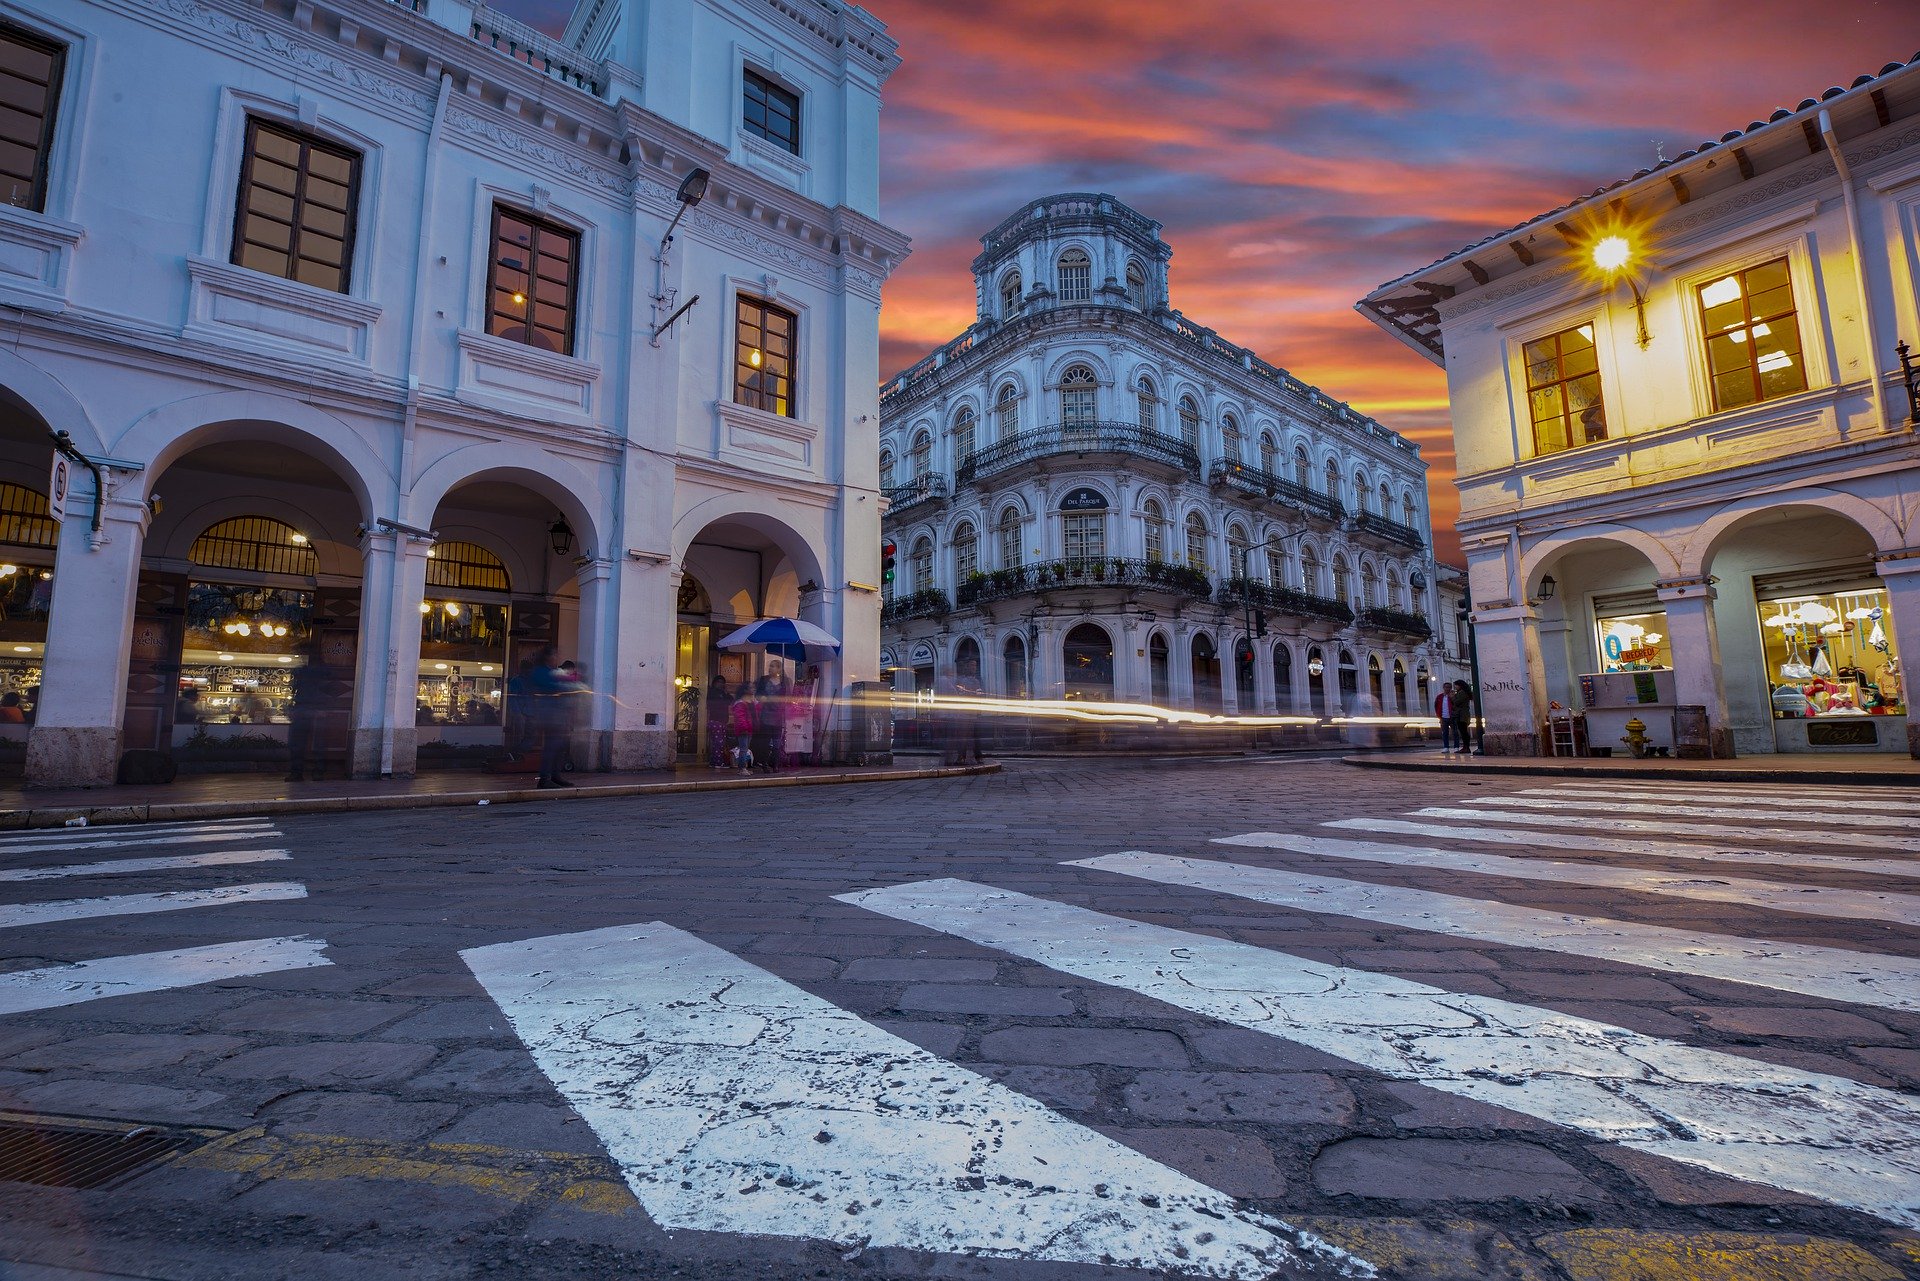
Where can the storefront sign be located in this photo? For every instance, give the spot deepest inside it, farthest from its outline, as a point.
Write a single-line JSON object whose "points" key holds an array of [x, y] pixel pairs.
{"points": [[1083, 500], [1644, 688], [922, 655], [58, 482], [1842, 733], [1315, 666]]}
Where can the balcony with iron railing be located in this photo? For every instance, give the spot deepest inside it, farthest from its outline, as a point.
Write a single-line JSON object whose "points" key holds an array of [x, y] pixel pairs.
{"points": [[1265, 484], [921, 489], [1388, 530], [1284, 600], [1396, 620], [1127, 439], [928, 602], [1090, 574]]}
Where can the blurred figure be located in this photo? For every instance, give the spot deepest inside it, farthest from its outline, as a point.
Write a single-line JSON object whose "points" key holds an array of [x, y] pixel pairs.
{"points": [[743, 725], [549, 692], [186, 708], [770, 719], [1462, 716], [303, 716], [1443, 712], [519, 713], [479, 713], [719, 720], [10, 713], [966, 744]]}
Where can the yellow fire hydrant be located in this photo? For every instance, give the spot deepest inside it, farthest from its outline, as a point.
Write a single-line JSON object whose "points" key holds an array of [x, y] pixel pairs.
{"points": [[1636, 737]]}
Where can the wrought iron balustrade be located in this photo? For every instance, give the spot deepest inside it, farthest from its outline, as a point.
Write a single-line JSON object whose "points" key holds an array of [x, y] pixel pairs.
{"points": [[538, 50], [1391, 530], [1085, 438], [1396, 620], [920, 489], [929, 602], [1266, 484], [1084, 575], [1284, 600]]}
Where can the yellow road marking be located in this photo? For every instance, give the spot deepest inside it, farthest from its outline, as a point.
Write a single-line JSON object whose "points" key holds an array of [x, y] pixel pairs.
{"points": [[1618, 1254]]}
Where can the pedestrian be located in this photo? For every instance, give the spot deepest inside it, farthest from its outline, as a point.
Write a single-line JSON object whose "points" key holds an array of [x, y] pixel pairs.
{"points": [[743, 725], [309, 680], [719, 720], [1443, 712], [964, 726], [1463, 710], [10, 713], [770, 717], [520, 734], [548, 692]]}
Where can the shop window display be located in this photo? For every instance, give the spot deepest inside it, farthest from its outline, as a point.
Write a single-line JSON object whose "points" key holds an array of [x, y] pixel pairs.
{"points": [[242, 644], [1831, 655], [1634, 642], [463, 637]]}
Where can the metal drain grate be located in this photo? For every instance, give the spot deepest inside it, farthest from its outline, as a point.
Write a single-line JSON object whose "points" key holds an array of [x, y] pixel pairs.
{"points": [[81, 1154]]}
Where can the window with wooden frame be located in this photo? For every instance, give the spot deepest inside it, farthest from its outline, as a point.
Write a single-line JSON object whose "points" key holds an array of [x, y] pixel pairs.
{"points": [[1563, 390], [533, 281], [770, 112], [294, 217], [763, 355], [1753, 336], [1076, 276], [30, 70]]}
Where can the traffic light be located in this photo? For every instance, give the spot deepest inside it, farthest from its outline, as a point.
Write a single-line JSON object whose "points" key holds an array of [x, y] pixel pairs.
{"points": [[887, 553], [1259, 623]]}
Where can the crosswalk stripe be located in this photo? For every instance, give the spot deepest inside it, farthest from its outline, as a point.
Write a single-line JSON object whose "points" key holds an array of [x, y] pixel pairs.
{"points": [[1691, 810], [183, 838], [1585, 822], [1834, 973], [734, 1101], [1558, 842], [57, 985], [1811, 1132], [1879, 804], [1814, 900], [15, 915], [1688, 786], [127, 866]]}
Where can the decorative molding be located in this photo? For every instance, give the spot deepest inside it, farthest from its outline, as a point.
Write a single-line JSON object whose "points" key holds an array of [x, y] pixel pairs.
{"points": [[756, 438], [238, 31], [1554, 273], [228, 304], [1813, 172], [35, 254], [607, 178], [520, 378], [776, 162]]}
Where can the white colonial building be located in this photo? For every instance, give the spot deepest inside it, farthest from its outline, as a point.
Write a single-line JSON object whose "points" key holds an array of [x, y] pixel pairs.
{"points": [[1093, 497], [406, 331], [1689, 477]]}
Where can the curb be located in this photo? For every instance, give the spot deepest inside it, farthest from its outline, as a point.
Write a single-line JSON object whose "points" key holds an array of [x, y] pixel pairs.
{"points": [[1704, 774], [177, 811]]}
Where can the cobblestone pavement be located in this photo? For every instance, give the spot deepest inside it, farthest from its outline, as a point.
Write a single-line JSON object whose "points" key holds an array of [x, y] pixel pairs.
{"points": [[1078, 1019]]}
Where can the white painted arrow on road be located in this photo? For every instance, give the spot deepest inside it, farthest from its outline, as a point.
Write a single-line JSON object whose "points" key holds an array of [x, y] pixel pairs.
{"points": [[734, 1101]]}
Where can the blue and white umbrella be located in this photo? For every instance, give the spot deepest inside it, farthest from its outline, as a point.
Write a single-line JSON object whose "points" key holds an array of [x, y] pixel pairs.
{"points": [[790, 638]]}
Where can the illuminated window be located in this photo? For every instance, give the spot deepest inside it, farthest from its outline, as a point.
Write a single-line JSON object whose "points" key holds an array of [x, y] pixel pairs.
{"points": [[1076, 276], [294, 216], [770, 112], [763, 353], [531, 281], [29, 89], [1077, 389], [25, 520], [469, 565], [257, 543], [1563, 390], [1753, 336]]}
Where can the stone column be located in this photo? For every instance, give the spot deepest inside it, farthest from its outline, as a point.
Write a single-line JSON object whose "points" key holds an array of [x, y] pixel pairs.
{"points": [[1180, 668], [76, 736], [1693, 635], [1901, 573], [599, 656], [638, 672], [1263, 700], [1512, 692], [385, 684]]}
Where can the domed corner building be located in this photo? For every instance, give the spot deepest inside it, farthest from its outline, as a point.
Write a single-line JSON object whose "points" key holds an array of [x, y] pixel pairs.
{"points": [[1093, 497]]}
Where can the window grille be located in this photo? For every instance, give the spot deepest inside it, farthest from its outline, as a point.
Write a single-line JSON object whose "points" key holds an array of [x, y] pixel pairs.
{"points": [[24, 519], [466, 565], [257, 544]]}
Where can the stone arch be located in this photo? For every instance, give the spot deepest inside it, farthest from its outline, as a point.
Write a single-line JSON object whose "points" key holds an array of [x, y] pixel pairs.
{"points": [[1058, 366], [334, 550], [749, 510], [521, 572], [50, 401], [555, 479], [166, 434], [1536, 561], [1696, 557]]}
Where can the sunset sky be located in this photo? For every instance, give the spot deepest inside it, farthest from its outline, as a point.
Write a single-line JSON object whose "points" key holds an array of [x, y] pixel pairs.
{"points": [[1300, 154]]}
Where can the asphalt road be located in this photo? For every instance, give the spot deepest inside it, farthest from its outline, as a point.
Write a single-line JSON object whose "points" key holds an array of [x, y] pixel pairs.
{"points": [[1078, 1019]]}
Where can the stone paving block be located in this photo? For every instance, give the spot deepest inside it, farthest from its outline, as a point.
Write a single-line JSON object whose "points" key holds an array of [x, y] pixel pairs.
{"points": [[1608, 1254], [1237, 1164], [328, 1062], [1432, 1170], [1651, 1020], [1236, 1047], [1073, 1089], [18, 1040], [1295, 1098], [1473, 984], [1394, 959], [126, 1052], [1077, 1047], [886, 970], [1802, 1023], [483, 1070], [960, 998], [1429, 1249], [1902, 1065], [1678, 1183], [539, 1127], [453, 1021], [448, 983], [355, 1114], [84, 1096], [941, 1039], [312, 1015], [1589, 986], [1419, 1107]]}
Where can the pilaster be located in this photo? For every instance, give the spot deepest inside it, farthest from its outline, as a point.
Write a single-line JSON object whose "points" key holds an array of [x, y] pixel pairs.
{"points": [[1694, 637]]}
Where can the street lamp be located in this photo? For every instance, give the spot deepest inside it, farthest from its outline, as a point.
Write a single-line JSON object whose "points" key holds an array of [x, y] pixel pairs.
{"points": [[560, 537], [1612, 254]]}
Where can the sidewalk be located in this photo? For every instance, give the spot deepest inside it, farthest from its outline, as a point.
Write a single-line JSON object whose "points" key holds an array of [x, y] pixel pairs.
{"points": [[1871, 769], [206, 796]]}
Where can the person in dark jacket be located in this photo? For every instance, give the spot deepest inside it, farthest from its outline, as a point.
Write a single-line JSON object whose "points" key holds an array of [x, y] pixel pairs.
{"points": [[310, 681], [549, 711]]}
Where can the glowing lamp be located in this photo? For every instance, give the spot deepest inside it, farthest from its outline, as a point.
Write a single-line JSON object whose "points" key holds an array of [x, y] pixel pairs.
{"points": [[1611, 253]]}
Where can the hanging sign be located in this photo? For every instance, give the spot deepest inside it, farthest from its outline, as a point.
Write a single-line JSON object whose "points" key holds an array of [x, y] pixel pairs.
{"points": [[59, 481], [1084, 500]]}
